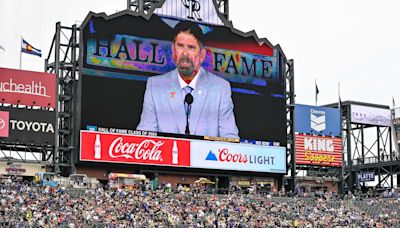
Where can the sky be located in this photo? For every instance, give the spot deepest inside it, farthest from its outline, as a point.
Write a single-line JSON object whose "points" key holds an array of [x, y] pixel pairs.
{"points": [[354, 43]]}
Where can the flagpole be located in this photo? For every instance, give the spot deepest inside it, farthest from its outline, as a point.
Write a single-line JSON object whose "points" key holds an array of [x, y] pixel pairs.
{"points": [[20, 55], [393, 102], [316, 92], [340, 100], [394, 134], [342, 169]]}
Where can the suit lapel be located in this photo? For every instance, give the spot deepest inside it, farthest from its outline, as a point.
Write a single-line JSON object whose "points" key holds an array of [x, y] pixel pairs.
{"points": [[199, 98], [176, 101]]}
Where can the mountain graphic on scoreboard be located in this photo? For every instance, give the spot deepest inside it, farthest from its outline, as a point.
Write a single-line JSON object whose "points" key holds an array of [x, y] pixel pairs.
{"points": [[211, 156]]}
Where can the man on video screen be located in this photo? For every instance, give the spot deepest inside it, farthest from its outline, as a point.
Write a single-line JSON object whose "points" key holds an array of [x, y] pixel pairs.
{"points": [[188, 100]]}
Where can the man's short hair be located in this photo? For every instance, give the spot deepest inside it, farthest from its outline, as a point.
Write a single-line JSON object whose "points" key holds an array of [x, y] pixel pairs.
{"points": [[190, 27]]}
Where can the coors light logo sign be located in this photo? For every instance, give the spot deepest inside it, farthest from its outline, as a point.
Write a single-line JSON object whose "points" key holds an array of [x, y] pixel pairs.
{"points": [[105, 147]]}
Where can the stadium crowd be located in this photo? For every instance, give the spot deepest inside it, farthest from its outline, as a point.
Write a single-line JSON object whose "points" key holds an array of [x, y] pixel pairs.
{"points": [[26, 205]]}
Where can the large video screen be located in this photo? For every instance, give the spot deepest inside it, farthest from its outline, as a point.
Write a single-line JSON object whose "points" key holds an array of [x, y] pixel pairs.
{"points": [[370, 115], [239, 90]]}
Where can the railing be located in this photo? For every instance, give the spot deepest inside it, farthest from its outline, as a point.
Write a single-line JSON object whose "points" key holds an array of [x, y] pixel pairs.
{"points": [[374, 160]]}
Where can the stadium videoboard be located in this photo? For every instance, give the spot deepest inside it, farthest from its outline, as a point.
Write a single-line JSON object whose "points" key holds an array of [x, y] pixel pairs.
{"points": [[370, 115], [121, 52]]}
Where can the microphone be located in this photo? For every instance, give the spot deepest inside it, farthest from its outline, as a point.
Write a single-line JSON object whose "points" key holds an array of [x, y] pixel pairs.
{"points": [[189, 98], [188, 101]]}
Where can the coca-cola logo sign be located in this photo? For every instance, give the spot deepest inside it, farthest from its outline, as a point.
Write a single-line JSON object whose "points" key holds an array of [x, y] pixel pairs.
{"points": [[107, 147], [147, 149]]}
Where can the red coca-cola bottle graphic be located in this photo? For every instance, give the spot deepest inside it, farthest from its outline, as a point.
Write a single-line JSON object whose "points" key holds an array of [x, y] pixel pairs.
{"points": [[97, 147]]}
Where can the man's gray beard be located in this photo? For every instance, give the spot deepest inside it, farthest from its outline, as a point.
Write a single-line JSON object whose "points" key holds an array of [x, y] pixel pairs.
{"points": [[186, 71]]}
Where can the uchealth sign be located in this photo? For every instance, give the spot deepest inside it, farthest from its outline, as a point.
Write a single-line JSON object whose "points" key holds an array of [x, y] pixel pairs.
{"points": [[27, 88], [119, 148], [318, 150], [242, 157], [28, 126]]}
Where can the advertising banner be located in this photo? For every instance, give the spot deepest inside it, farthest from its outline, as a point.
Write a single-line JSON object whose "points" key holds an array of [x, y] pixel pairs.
{"points": [[21, 169], [150, 150], [317, 120], [27, 88], [370, 115], [27, 126], [318, 150], [107, 147], [242, 157], [365, 177]]}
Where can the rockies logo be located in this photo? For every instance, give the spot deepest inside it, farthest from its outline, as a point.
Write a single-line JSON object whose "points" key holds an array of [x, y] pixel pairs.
{"points": [[194, 8]]}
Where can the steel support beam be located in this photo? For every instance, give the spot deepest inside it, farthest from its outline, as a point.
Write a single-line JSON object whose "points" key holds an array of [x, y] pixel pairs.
{"points": [[290, 104], [63, 61], [365, 155]]}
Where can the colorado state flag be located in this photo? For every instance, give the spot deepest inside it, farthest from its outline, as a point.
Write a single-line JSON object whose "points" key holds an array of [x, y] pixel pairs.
{"points": [[29, 49]]}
